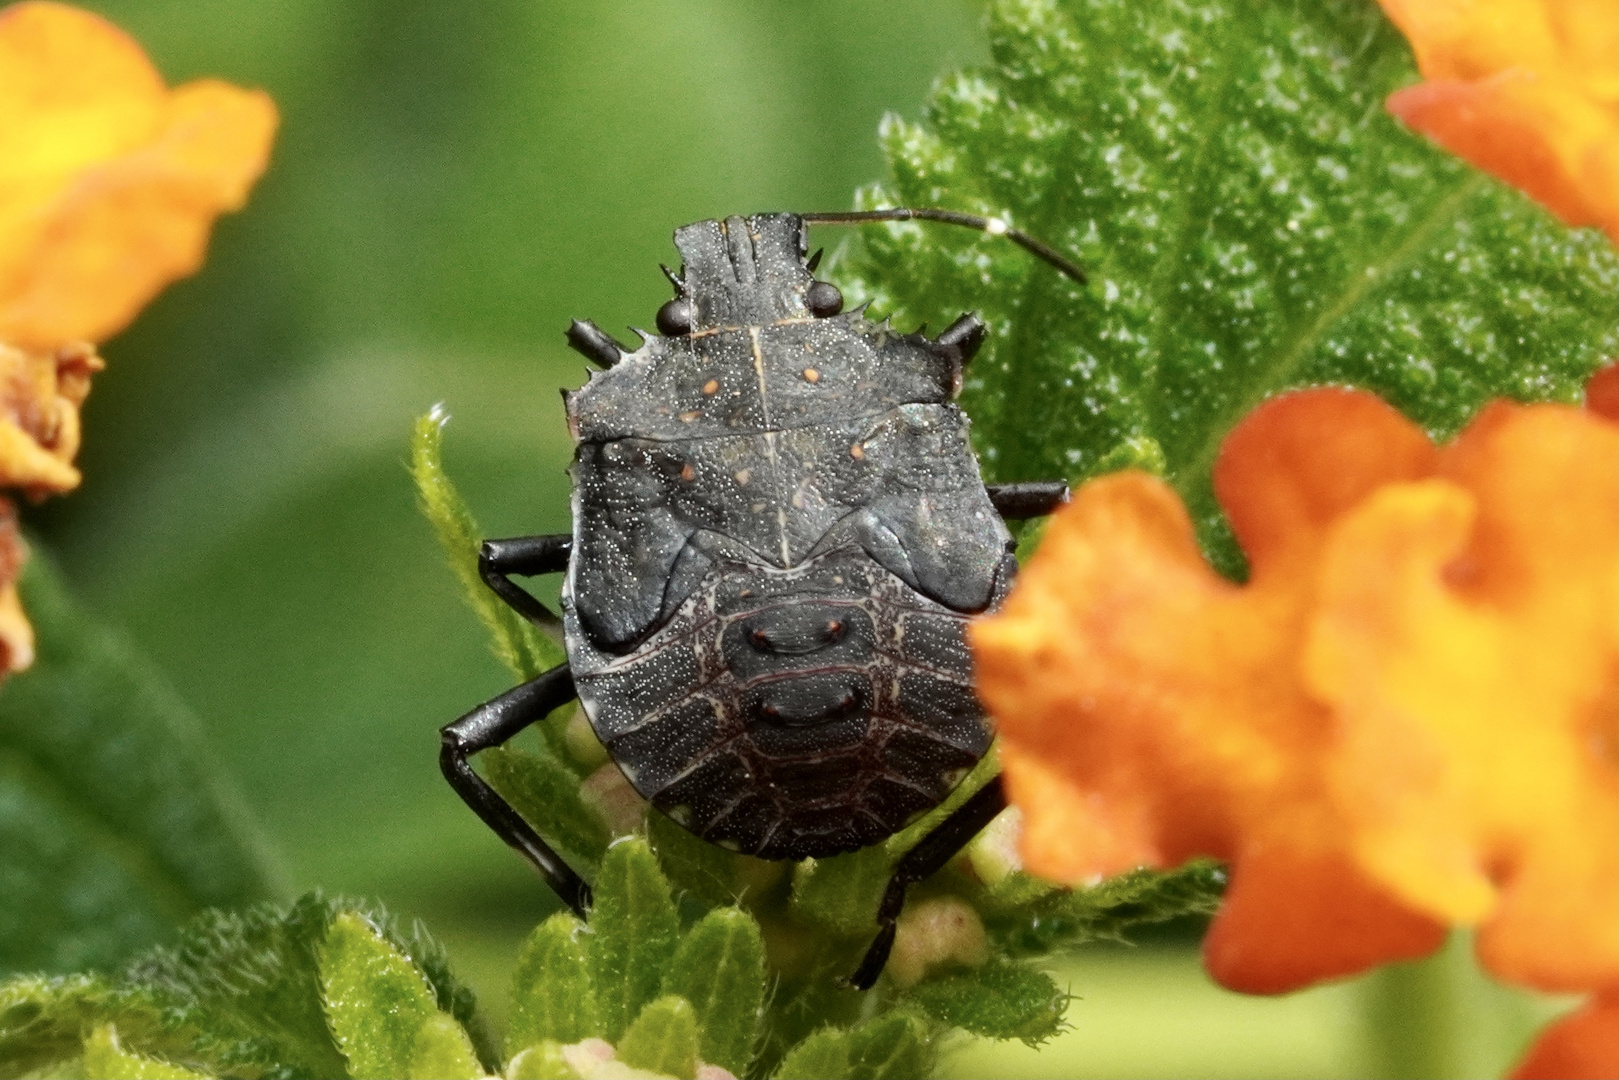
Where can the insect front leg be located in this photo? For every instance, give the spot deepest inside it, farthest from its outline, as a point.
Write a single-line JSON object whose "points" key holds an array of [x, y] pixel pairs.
{"points": [[492, 724], [525, 555], [1033, 498], [922, 861]]}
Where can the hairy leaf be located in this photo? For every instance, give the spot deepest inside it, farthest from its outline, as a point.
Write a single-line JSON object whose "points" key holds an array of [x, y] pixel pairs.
{"points": [[1252, 220], [892, 1047], [552, 995], [720, 969], [1104, 912], [999, 1000], [239, 995], [821, 1055], [105, 1059], [116, 825], [841, 894], [707, 873], [546, 792], [663, 1039], [542, 1061], [518, 645], [634, 931], [375, 999], [442, 1051]]}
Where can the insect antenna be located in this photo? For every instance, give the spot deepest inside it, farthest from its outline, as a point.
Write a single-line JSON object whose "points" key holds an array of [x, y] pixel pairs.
{"points": [[993, 226]]}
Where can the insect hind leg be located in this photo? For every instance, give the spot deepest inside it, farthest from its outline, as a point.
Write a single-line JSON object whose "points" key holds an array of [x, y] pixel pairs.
{"points": [[922, 861], [524, 555], [492, 724]]}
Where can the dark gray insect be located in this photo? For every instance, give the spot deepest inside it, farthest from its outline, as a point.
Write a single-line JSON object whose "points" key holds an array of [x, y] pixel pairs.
{"points": [[780, 533]]}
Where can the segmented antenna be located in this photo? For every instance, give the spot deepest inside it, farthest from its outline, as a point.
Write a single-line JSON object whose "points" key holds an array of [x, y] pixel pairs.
{"points": [[992, 226]]}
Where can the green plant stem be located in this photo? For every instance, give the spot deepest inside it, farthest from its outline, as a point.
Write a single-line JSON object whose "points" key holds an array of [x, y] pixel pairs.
{"points": [[1413, 1016]]}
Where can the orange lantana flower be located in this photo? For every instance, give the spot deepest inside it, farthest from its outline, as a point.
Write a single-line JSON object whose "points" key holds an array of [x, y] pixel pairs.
{"points": [[1525, 89], [109, 183], [1405, 718]]}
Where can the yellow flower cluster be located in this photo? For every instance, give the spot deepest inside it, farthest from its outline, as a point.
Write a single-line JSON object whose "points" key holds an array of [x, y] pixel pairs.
{"points": [[109, 184]]}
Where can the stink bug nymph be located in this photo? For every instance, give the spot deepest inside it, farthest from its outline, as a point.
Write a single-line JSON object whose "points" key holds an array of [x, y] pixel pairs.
{"points": [[779, 534]]}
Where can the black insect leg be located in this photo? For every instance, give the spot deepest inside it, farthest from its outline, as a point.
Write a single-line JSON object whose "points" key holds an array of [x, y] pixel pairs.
{"points": [[491, 724], [926, 858], [524, 555], [1034, 498]]}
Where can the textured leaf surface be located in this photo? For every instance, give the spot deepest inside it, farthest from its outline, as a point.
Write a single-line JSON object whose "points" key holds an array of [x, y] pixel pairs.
{"points": [[1252, 220], [634, 933], [821, 1055], [1104, 913], [238, 995], [841, 894], [706, 872], [375, 999], [543, 1061], [720, 969], [115, 824], [998, 1000], [892, 1047], [442, 1051], [518, 645], [552, 995], [546, 792], [663, 1039], [104, 1059]]}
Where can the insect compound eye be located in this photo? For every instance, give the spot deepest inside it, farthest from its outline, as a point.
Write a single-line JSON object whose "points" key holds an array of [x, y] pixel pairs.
{"points": [[677, 317], [823, 299]]}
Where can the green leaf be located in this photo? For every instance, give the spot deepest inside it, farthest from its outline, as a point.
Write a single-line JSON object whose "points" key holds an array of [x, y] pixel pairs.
{"points": [[720, 969], [663, 1039], [546, 792], [1104, 912], [821, 1055], [634, 931], [517, 644], [998, 1000], [116, 824], [841, 894], [542, 1061], [1252, 219], [104, 1059], [376, 1001], [892, 1047], [442, 1051], [552, 995], [238, 995], [707, 872]]}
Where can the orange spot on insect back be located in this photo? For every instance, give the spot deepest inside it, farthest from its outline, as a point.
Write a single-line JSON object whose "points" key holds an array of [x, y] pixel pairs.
{"points": [[857, 451], [811, 375]]}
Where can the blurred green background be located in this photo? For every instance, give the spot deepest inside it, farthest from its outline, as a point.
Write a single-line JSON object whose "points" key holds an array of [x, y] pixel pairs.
{"points": [[453, 183]]}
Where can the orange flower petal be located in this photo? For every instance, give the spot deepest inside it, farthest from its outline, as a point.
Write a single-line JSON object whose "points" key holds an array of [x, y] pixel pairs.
{"points": [[108, 182], [1334, 921], [1525, 89], [1582, 1046], [1468, 639], [1409, 715], [1300, 460], [1536, 133], [1177, 725]]}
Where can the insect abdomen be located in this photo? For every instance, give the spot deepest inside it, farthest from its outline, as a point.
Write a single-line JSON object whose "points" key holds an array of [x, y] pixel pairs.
{"points": [[793, 714]]}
